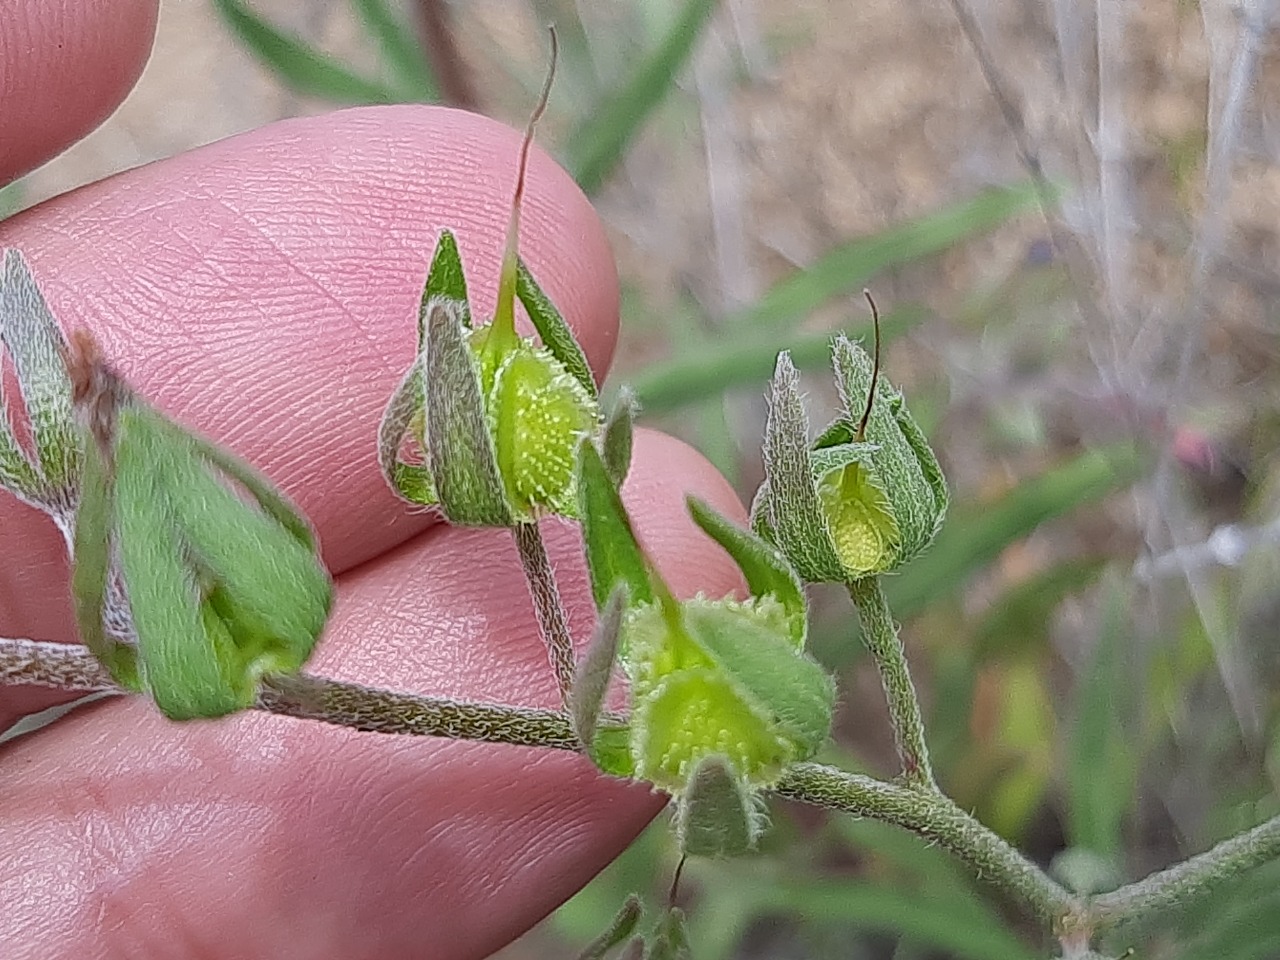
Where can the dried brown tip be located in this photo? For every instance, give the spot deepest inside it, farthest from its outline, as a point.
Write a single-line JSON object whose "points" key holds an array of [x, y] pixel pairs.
{"points": [[83, 358], [539, 109], [875, 368]]}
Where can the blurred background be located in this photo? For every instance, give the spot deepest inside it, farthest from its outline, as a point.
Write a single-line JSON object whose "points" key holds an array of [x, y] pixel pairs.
{"points": [[1069, 211]]}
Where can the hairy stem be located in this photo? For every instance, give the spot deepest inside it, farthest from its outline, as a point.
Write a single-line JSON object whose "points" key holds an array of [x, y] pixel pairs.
{"points": [[936, 818], [552, 623], [63, 666], [880, 634], [384, 711], [1190, 880]]}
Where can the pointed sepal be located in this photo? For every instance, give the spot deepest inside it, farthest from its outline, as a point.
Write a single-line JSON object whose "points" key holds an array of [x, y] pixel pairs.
{"points": [[613, 554], [48, 475], [552, 329], [595, 670], [763, 566], [619, 930], [619, 432], [460, 454], [718, 814], [669, 940], [787, 510]]}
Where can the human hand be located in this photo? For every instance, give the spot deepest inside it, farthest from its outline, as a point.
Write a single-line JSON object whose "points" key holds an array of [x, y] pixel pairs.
{"points": [[262, 290]]}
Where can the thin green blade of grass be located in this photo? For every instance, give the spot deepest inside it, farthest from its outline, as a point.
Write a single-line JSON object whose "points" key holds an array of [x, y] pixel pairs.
{"points": [[849, 267], [402, 52], [941, 923], [599, 142], [976, 535], [716, 367], [299, 66], [1100, 780]]}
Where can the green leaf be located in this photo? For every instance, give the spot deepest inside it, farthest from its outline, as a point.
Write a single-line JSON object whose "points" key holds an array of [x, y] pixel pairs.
{"points": [[705, 372], [35, 342], [552, 329], [787, 511], [765, 569], [716, 815], [460, 452], [617, 442], [301, 67], [445, 281], [851, 267], [613, 554], [402, 52], [620, 928], [600, 141], [596, 668]]}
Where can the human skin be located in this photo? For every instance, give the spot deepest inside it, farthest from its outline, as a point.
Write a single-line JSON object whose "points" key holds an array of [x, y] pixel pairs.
{"points": [[262, 290]]}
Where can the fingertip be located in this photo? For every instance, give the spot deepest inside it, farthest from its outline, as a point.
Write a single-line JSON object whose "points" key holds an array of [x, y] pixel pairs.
{"points": [[64, 67]]}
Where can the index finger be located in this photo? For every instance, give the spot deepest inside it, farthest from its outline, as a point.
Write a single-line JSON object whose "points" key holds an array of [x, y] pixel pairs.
{"points": [[264, 289]]}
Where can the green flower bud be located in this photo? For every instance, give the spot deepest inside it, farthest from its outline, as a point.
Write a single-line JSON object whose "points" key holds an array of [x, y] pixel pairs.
{"points": [[723, 697], [721, 678], [497, 424], [192, 576], [867, 496]]}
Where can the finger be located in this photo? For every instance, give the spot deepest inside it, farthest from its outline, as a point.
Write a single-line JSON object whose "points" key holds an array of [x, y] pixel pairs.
{"points": [[63, 68], [321, 842], [264, 290]]}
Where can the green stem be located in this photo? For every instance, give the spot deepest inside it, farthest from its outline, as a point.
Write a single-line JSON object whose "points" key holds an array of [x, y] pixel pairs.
{"points": [[1188, 881], [63, 666], [373, 710], [880, 634], [936, 818], [552, 623], [70, 666]]}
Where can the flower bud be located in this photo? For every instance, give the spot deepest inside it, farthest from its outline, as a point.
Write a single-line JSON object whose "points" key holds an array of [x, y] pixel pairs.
{"points": [[192, 576], [723, 697], [867, 496], [497, 424]]}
